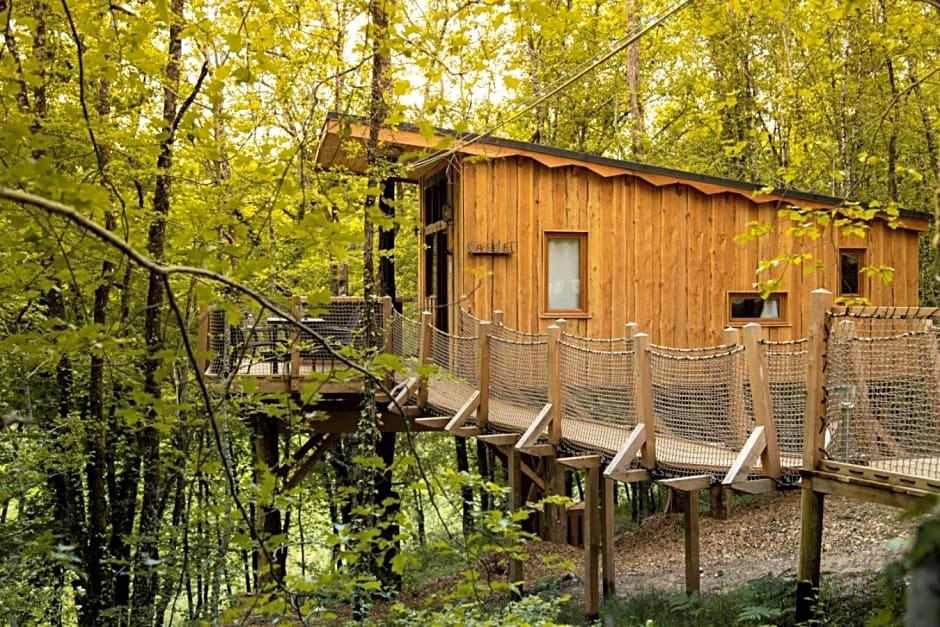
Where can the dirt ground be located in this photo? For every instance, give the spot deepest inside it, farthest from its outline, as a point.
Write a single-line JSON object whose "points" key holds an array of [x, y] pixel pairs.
{"points": [[761, 538]]}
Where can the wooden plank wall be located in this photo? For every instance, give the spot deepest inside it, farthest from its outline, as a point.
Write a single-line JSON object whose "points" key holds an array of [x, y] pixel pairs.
{"points": [[664, 257]]}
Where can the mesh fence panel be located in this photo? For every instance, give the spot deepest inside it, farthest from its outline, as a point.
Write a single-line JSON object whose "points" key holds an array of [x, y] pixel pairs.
{"points": [[406, 336], [698, 401], [456, 379], [503, 332], [468, 323], [260, 342], [518, 382], [597, 344], [599, 401], [883, 394], [786, 370]]}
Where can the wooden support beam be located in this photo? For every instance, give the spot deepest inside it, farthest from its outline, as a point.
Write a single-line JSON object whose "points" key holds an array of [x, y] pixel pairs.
{"points": [[404, 393], [755, 486], [466, 432], [581, 461], [637, 475], [814, 425], [531, 435], [692, 578], [304, 469], [538, 450], [499, 439], [463, 414], [514, 463], [628, 452], [608, 561], [687, 484], [483, 373], [867, 490], [433, 422], [746, 458], [643, 386], [592, 538], [759, 378]]}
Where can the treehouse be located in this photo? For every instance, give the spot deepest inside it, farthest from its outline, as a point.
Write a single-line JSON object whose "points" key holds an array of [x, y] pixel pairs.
{"points": [[540, 233]]}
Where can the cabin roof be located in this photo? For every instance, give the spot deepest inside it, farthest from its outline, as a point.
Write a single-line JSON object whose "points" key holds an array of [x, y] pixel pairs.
{"points": [[342, 144]]}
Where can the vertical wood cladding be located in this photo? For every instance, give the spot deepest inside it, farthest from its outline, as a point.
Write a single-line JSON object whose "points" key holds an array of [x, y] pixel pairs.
{"points": [[664, 257]]}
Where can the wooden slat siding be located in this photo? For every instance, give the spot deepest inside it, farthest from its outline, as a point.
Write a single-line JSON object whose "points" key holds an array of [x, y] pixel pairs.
{"points": [[620, 306], [522, 310], [464, 283], [696, 220]]}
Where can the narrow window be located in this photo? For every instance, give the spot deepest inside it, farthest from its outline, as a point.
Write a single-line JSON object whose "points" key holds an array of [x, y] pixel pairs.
{"points": [[850, 264], [750, 307], [566, 272]]}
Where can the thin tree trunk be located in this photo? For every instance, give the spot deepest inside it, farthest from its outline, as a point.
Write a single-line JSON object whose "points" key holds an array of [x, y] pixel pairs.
{"points": [[146, 583]]}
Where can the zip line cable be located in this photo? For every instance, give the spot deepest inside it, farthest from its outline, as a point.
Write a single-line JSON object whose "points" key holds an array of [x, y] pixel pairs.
{"points": [[553, 89]]}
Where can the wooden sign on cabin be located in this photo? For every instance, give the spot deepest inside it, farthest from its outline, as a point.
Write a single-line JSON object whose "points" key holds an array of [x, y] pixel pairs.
{"points": [[494, 248]]}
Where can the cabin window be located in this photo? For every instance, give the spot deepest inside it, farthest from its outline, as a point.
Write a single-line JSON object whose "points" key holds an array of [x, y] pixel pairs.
{"points": [[566, 272], [747, 307], [850, 278]]}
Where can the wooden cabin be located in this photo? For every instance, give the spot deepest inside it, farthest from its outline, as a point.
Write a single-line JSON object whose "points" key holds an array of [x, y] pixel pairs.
{"points": [[542, 233]]}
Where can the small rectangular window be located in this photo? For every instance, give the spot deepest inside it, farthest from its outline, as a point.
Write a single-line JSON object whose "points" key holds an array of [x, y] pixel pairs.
{"points": [[750, 307], [850, 264], [566, 272]]}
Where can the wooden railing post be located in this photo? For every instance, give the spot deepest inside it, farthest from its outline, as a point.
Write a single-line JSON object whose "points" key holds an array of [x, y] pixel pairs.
{"points": [[643, 384], [483, 372], [202, 341], [297, 314], [554, 382], [814, 422], [499, 316], [424, 355], [388, 308], [759, 379], [739, 429]]}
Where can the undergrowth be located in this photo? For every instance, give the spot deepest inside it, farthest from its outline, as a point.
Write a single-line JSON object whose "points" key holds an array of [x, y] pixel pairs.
{"points": [[875, 602]]}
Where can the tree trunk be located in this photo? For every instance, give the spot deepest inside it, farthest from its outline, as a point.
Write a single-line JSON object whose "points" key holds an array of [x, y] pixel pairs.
{"points": [[146, 583], [466, 492]]}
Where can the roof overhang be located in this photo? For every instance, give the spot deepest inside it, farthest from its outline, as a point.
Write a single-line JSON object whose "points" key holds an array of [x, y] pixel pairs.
{"points": [[343, 145]]}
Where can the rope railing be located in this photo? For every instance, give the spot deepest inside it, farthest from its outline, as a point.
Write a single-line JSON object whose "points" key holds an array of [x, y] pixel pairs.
{"points": [[786, 369]]}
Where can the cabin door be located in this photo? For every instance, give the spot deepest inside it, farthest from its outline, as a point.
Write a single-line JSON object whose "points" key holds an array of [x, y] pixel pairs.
{"points": [[435, 249]]}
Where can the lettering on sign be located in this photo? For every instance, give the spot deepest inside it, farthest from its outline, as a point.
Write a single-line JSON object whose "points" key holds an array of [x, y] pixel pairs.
{"points": [[494, 247]]}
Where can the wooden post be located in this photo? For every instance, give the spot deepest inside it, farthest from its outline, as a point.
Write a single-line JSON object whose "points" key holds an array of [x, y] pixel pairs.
{"points": [[592, 533], [738, 429], [607, 522], [643, 384], [387, 312], [692, 581], [498, 317], [554, 383], [760, 397], [424, 354], [202, 341], [297, 313], [811, 526], [483, 372], [556, 515], [630, 330], [514, 461]]}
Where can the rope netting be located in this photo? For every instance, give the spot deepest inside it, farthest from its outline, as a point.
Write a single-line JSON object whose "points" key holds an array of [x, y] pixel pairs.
{"points": [[468, 324], [598, 396], [513, 335], [883, 393], [699, 404], [406, 335], [518, 382], [610, 345], [786, 370], [456, 359]]}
